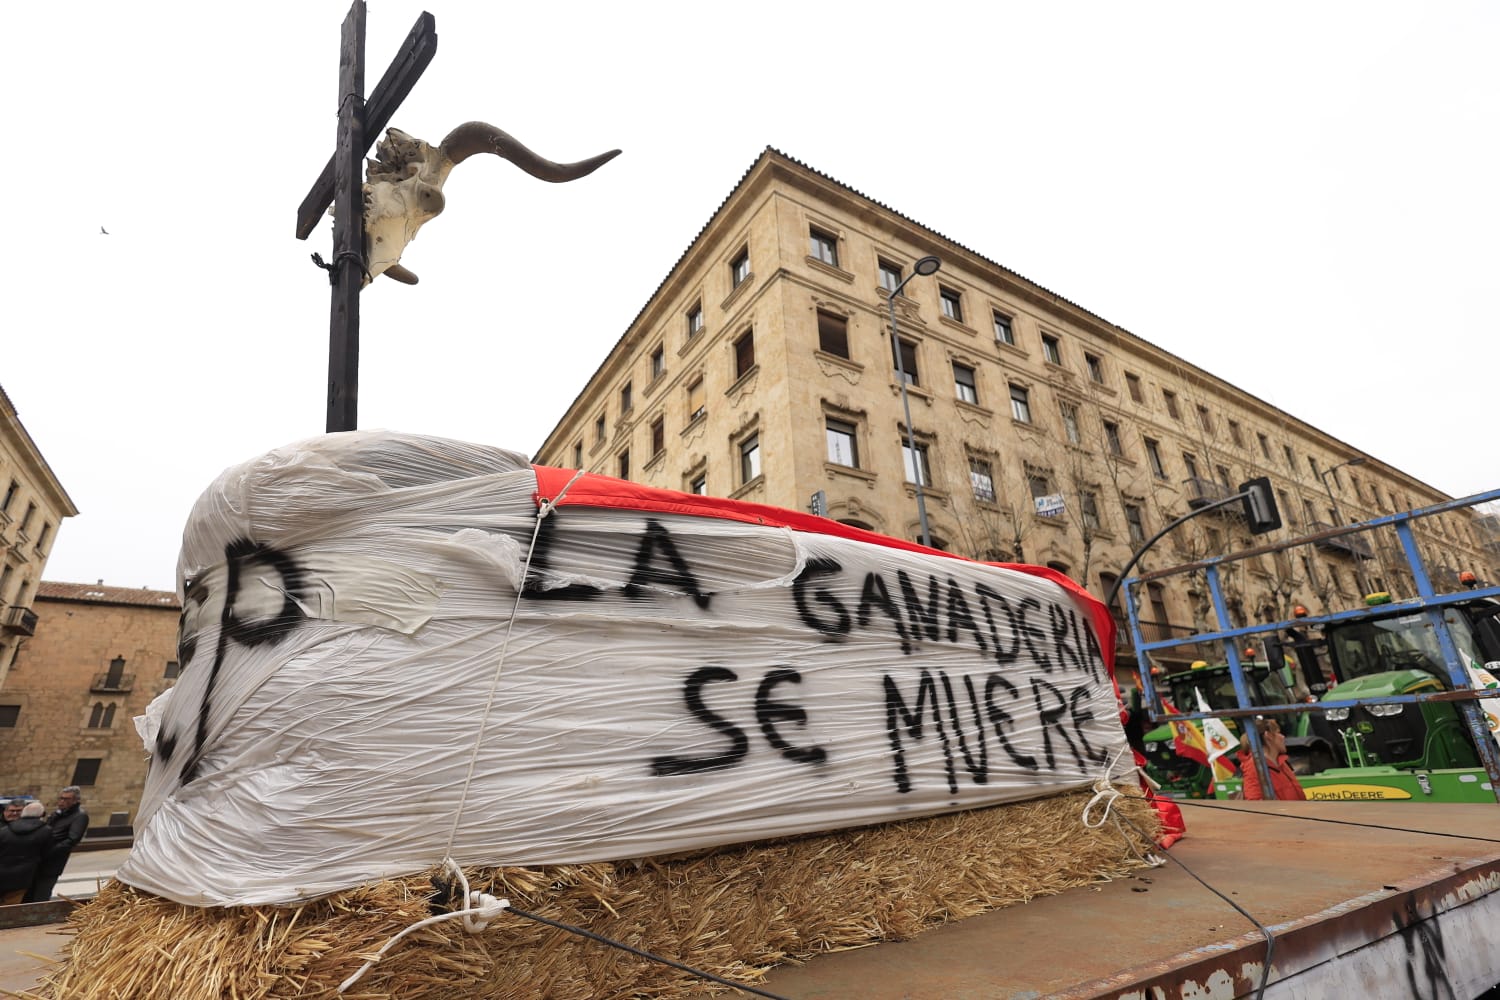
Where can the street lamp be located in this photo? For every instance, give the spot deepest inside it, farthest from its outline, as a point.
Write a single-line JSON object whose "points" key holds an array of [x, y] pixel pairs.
{"points": [[925, 266], [1338, 514]]}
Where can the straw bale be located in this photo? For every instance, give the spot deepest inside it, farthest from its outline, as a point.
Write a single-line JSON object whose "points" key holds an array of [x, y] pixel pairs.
{"points": [[734, 911]]}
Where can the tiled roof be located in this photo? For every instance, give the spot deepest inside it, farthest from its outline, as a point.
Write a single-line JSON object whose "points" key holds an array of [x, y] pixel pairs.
{"points": [[99, 593]]}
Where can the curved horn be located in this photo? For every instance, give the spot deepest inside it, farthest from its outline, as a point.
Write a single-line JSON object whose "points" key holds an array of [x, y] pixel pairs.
{"points": [[480, 137]]}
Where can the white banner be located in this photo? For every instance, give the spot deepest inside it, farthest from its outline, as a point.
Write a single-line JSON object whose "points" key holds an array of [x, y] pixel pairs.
{"points": [[353, 642], [1051, 505]]}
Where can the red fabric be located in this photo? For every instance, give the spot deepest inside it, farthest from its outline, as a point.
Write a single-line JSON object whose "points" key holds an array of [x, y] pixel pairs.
{"points": [[593, 490], [1283, 779]]}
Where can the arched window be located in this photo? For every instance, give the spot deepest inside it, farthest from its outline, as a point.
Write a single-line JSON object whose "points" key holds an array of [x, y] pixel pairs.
{"points": [[97, 715], [109, 716], [851, 522]]}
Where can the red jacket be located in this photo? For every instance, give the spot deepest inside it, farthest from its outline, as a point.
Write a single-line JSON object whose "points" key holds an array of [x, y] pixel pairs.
{"points": [[1283, 779]]}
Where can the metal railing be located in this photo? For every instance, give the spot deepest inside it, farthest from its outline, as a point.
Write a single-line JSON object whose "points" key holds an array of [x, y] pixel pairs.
{"points": [[1231, 638]]}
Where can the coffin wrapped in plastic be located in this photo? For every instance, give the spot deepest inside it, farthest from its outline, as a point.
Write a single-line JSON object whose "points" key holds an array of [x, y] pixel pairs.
{"points": [[398, 649]]}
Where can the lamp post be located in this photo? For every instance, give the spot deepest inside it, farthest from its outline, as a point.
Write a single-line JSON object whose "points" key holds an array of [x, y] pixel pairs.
{"points": [[1338, 514], [925, 266]]}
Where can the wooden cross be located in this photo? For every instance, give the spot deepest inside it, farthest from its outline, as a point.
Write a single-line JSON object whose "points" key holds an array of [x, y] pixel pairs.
{"points": [[342, 184]]}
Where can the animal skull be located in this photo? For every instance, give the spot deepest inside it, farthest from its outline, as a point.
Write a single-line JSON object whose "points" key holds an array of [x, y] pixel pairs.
{"points": [[404, 185]]}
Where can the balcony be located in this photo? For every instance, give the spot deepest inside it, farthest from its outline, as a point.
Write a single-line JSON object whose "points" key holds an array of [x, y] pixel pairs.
{"points": [[110, 682], [1202, 492], [20, 621], [1353, 546]]}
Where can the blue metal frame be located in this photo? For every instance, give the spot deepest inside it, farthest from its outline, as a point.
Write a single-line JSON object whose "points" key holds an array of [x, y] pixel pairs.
{"points": [[1427, 601]]}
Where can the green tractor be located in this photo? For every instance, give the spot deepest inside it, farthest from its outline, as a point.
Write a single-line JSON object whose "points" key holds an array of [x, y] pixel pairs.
{"points": [[1415, 751]]}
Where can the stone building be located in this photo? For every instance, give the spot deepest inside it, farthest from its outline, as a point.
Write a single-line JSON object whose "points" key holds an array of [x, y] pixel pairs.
{"points": [[98, 656], [763, 368], [32, 506]]}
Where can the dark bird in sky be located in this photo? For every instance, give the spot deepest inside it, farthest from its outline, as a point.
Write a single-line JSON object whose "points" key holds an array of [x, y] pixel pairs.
{"points": [[104, 231]]}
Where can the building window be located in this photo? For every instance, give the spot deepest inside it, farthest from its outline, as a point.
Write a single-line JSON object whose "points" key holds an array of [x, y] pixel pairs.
{"points": [[963, 383], [890, 276], [1291, 459], [1170, 399], [1088, 502], [918, 472], [1070, 422], [1039, 482], [1134, 525], [695, 320], [41, 540], [173, 670], [833, 334], [627, 399], [658, 436], [699, 485], [749, 458], [86, 771], [823, 246], [599, 428], [843, 448], [102, 716], [26, 520], [658, 362], [906, 362], [739, 268], [625, 464], [578, 454], [1235, 435], [1020, 404], [982, 479], [10, 494], [696, 405], [952, 303], [1223, 471], [1133, 384], [1312, 463], [1310, 512], [1051, 349], [1004, 332], [1112, 438], [9, 716], [744, 354], [1095, 367], [1153, 459], [1204, 420], [1286, 509], [1265, 445], [1190, 463]]}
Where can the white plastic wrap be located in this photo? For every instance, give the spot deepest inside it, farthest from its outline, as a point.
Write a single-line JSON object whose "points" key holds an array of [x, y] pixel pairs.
{"points": [[353, 639]]}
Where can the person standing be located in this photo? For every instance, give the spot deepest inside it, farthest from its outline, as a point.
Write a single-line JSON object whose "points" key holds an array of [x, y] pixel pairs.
{"points": [[12, 811], [23, 845], [1284, 783], [68, 822]]}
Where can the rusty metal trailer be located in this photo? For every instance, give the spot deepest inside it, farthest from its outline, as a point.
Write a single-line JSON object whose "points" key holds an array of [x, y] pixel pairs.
{"points": [[1370, 900]]}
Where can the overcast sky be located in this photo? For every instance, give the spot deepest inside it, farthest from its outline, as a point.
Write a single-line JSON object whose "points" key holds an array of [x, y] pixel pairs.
{"points": [[1299, 197]]}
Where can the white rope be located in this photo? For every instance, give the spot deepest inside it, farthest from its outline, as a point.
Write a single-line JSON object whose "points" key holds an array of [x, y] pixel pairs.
{"points": [[482, 907], [546, 507], [1106, 793]]}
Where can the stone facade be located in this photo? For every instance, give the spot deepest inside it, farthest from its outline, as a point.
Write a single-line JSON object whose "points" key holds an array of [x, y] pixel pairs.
{"points": [[99, 655], [32, 506], [763, 368]]}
